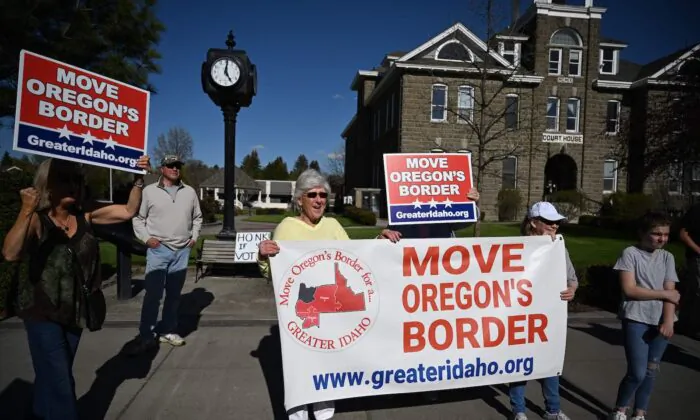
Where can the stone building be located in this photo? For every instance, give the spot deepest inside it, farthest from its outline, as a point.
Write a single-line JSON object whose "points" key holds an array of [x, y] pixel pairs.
{"points": [[538, 106]]}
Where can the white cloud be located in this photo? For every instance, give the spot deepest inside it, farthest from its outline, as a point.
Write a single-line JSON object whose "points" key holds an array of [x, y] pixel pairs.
{"points": [[258, 146], [338, 96], [334, 156]]}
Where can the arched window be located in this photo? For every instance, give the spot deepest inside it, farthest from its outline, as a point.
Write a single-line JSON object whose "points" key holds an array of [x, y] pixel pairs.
{"points": [[566, 37], [454, 51]]}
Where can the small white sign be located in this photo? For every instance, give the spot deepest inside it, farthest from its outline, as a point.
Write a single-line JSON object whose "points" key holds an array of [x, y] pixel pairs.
{"points": [[247, 245], [563, 79], [562, 138]]}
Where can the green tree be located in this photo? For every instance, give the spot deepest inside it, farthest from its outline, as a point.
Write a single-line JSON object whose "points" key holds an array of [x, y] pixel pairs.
{"points": [[301, 164], [314, 165], [113, 38], [7, 160], [276, 170], [251, 164]]}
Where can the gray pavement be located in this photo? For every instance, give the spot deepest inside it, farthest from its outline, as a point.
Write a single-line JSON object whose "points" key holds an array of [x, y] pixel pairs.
{"points": [[231, 368]]}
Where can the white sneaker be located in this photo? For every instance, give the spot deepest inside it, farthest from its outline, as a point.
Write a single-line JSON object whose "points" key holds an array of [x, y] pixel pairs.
{"points": [[618, 415], [557, 416], [520, 416], [172, 339]]}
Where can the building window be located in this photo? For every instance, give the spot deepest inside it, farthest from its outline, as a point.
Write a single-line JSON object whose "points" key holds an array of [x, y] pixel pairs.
{"points": [[566, 37], [465, 104], [552, 114], [675, 178], [509, 173], [608, 61], [393, 109], [454, 51], [574, 63], [610, 176], [439, 103], [555, 61], [573, 108], [612, 120], [510, 50], [511, 115]]}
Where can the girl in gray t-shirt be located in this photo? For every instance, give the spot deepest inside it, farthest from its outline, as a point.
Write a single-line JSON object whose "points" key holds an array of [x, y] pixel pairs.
{"points": [[649, 298]]}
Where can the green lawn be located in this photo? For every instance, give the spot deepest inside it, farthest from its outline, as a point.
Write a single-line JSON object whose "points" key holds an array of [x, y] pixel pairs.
{"points": [[276, 218], [587, 245]]}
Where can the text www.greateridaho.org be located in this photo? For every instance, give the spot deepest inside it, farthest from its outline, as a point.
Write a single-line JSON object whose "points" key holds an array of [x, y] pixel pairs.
{"points": [[447, 371]]}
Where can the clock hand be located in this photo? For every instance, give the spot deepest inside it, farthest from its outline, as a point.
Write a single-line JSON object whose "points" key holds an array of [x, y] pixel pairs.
{"points": [[226, 71]]}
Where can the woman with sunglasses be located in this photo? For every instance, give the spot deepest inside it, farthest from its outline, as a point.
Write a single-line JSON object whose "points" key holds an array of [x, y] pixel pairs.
{"points": [[310, 195], [543, 219], [53, 229]]}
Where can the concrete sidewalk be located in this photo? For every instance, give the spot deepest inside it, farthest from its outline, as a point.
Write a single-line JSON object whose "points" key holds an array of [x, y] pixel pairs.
{"points": [[231, 368]]}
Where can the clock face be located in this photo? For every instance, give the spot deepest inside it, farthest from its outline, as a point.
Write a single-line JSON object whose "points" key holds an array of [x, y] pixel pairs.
{"points": [[225, 72]]}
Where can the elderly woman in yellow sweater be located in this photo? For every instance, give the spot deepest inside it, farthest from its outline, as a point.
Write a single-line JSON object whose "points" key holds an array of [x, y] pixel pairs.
{"points": [[311, 195]]}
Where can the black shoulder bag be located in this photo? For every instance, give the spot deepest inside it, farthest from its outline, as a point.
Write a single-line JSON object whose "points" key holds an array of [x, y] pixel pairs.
{"points": [[93, 303]]}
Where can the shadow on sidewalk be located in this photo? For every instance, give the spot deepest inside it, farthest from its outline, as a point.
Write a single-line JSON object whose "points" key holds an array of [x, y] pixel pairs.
{"points": [[95, 403], [613, 336], [16, 400], [269, 355]]}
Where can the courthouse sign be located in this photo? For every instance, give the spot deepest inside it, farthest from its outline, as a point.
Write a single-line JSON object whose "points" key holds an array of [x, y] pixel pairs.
{"points": [[562, 138]]}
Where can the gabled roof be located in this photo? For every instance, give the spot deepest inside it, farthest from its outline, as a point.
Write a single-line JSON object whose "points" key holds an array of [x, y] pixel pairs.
{"points": [[242, 180], [658, 67], [453, 30]]}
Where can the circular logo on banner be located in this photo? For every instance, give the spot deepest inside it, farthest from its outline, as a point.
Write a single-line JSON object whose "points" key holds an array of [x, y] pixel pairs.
{"points": [[328, 300]]}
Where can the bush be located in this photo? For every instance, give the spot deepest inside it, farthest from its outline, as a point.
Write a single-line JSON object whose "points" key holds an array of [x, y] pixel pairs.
{"points": [[509, 202], [361, 216], [569, 202], [271, 211], [626, 206], [210, 208], [10, 203]]}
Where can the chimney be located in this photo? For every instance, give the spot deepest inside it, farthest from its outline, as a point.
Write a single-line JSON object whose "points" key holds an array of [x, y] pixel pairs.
{"points": [[515, 12]]}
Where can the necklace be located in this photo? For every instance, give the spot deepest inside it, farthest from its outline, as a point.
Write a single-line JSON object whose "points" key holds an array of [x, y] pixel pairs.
{"points": [[66, 227]]}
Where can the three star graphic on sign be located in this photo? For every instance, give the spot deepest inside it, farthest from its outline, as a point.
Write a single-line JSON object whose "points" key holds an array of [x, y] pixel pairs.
{"points": [[432, 203], [65, 133]]}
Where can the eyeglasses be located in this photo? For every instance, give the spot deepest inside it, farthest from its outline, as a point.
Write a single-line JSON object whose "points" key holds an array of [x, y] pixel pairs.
{"points": [[313, 194], [174, 166]]}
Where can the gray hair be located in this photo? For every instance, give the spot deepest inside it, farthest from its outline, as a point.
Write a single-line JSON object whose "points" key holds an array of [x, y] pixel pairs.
{"points": [[309, 179]]}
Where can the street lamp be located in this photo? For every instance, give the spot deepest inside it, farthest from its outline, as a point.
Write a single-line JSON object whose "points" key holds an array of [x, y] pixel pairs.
{"points": [[231, 81]]}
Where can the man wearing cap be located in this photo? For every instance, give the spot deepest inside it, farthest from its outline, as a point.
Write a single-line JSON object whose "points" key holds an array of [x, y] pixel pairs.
{"points": [[168, 222]]}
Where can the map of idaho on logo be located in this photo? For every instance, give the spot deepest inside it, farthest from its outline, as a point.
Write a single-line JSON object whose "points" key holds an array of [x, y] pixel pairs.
{"points": [[327, 298]]}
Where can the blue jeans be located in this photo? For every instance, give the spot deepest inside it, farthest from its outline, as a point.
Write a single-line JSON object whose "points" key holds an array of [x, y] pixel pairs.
{"points": [[53, 349], [644, 347], [166, 270], [550, 392]]}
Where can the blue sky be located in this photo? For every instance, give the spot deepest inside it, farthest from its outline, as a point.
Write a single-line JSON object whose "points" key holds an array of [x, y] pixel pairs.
{"points": [[308, 51]]}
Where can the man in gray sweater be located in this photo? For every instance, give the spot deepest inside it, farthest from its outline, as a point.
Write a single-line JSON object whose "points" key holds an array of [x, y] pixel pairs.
{"points": [[168, 222]]}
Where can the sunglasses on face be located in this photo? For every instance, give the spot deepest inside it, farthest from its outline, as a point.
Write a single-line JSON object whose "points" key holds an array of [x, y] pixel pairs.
{"points": [[548, 222], [313, 194], [174, 166]]}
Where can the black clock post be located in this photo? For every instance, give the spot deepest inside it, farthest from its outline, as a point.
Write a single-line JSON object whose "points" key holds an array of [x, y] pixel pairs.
{"points": [[230, 80]]}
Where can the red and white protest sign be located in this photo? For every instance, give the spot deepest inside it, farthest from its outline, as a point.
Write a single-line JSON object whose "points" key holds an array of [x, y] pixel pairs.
{"points": [[69, 113], [428, 188]]}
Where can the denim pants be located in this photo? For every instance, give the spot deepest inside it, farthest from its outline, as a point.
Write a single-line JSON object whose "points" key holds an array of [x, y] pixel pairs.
{"points": [[53, 349], [550, 392], [166, 270], [644, 347]]}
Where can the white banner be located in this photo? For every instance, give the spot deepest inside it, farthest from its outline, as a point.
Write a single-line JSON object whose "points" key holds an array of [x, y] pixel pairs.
{"points": [[368, 317]]}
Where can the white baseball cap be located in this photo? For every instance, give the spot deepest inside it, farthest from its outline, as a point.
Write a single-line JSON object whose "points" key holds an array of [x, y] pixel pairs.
{"points": [[546, 211]]}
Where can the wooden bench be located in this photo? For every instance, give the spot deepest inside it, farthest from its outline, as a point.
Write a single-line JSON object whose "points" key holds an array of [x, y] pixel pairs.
{"points": [[214, 252]]}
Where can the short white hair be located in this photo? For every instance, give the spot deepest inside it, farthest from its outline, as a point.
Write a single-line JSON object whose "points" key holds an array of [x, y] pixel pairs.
{"points": [[308, 180]]}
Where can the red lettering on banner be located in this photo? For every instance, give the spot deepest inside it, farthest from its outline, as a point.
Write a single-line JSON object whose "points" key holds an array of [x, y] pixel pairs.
{"points": [[509, 258], [486, 332], [483, 294]]}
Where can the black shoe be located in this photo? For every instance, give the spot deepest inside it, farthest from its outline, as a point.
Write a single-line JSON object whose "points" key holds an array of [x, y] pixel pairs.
{"points": [[139, 345]]}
